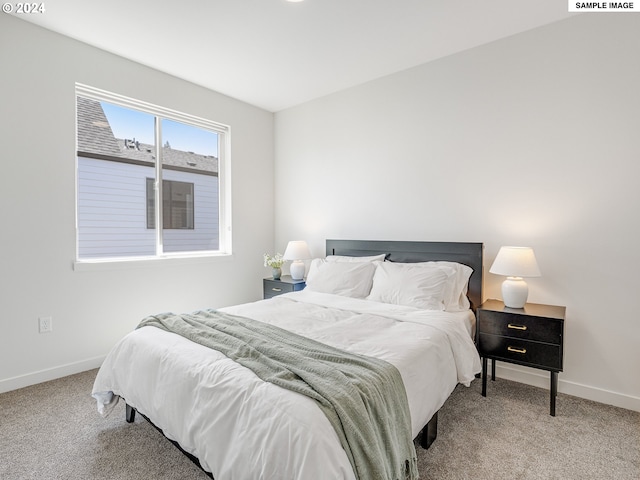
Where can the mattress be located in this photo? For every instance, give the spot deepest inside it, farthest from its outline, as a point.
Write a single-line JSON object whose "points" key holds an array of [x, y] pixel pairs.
{"points": [[240, 427]]}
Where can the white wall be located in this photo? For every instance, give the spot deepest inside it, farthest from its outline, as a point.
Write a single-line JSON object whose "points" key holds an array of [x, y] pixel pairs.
{"points": [[531, 140], [92, 309]]}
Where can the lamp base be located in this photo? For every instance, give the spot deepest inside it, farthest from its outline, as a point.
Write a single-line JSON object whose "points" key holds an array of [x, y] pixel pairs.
{"points": [[297, 269], [514, 292]]}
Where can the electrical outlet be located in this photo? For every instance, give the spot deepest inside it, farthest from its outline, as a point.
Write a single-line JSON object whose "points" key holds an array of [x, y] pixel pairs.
{"points": [[45, 324]]}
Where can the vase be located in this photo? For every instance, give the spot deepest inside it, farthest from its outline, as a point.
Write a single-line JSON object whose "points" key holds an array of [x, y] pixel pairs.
{"points": [[276, 272]]}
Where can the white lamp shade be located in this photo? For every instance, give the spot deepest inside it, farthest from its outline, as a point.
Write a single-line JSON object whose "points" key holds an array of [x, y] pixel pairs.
{"points": [[515, 262], [297, 250]]}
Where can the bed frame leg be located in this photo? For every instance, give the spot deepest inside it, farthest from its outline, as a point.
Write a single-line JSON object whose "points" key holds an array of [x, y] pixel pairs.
{"points": [[130, 414], [429, 432]]}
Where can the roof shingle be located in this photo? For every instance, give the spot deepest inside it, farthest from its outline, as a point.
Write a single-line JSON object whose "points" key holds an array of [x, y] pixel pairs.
{"points": [[96, 137]]}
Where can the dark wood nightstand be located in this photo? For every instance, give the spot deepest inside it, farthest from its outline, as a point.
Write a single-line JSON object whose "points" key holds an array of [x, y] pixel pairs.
{"points": [[285, 285], [532, 336]]}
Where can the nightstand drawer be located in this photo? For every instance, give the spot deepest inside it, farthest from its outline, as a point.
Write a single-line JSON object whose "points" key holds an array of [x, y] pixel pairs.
{"points": [[272, 288], [523, 327], [275, 287], [534, 354]]}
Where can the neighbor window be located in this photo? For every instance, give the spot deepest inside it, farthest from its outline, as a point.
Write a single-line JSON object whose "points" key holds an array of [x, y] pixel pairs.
{"points": [[151, 181], [177, 204]]}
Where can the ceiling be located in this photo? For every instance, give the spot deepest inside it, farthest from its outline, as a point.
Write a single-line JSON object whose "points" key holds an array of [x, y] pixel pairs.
{"points": [[276, 54]]}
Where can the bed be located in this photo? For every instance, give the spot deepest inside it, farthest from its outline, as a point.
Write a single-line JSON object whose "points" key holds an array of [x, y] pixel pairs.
{"points": [[237, 426]]}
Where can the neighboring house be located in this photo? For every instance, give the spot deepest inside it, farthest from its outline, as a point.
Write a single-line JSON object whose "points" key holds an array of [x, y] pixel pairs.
{"points": [[116, 206]]}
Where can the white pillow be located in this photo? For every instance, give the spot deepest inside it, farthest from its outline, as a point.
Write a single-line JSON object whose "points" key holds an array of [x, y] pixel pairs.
{"points": [[415, 285], [456, 299], [349, 279], [344, 258]]}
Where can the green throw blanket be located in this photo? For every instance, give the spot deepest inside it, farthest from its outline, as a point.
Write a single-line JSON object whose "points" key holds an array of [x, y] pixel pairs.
{"points": [[363, 397]]}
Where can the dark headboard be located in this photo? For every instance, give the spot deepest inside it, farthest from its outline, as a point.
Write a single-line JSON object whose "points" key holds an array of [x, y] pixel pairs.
{"points": [[399, 251]]}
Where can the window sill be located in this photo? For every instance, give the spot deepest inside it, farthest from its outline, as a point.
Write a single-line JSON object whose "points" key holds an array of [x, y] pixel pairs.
{"points": [[199, 258]]}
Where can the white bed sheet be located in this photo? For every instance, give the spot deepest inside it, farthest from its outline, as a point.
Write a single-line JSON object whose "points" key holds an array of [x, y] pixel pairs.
{"points": [[241, 427]]}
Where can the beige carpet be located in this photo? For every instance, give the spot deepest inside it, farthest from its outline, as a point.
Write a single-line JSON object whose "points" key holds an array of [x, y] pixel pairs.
{"points": [[52, 431]]}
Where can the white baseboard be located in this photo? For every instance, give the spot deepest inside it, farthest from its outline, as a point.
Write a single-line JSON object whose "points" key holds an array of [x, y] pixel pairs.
{"points": [[538, 378], [50, 374]]}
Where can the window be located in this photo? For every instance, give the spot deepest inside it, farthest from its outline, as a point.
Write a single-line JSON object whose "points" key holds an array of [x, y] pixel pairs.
{"points": [[150, 181], [177, 204]]}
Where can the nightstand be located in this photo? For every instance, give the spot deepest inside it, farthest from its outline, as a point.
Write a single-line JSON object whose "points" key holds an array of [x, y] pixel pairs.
{"points": [[530, 336], [285, 285]]}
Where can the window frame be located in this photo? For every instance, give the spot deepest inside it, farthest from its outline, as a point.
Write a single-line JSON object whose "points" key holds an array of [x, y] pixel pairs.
{"points": [[224, 182]]}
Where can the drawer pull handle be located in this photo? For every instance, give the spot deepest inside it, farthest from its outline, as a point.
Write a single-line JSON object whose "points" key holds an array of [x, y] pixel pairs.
{"points": [[517, 350], [517, 327], [276, 289]]}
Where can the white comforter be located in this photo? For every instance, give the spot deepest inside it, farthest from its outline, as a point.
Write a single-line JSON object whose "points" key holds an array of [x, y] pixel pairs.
{"points": [[243, 428]]}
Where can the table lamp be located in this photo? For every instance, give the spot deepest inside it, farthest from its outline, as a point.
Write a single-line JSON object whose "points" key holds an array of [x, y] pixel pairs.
{"points": [[515, 263], [297, 250]]}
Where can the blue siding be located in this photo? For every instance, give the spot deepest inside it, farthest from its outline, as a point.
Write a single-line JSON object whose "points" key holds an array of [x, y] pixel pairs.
{"points": [[112, 219]]}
